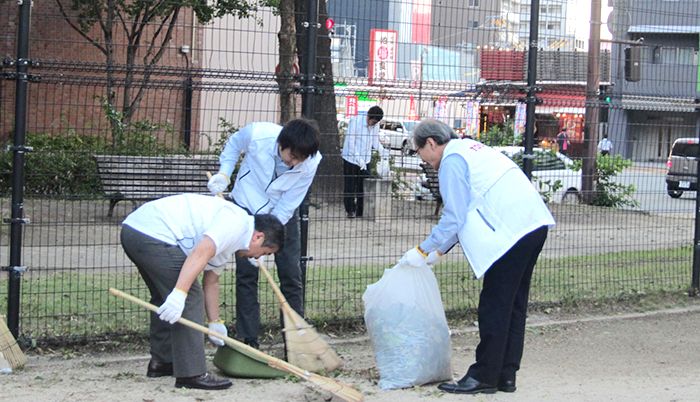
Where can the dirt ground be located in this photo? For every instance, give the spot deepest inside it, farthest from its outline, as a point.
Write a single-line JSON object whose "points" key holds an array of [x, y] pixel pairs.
{"points": [[651, 356]]}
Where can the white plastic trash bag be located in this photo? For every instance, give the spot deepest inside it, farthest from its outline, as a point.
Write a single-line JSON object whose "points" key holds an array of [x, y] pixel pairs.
{"points": [[407, 326], [383, 168]]}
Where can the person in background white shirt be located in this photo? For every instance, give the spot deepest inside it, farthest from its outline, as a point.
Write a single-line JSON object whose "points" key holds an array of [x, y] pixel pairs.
{"points": [[605, 146], [362, 136], [171, 241], [276, 172], [501, 223]]}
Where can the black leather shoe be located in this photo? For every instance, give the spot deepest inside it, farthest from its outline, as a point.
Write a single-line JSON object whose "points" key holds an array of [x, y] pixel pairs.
{"points": [[468, 385], [252, 342], [506, 385], [204, 381], [157, 369]]}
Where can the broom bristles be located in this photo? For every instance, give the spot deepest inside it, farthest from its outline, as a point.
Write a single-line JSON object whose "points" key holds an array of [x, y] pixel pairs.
{"points": [[305, 348], [9, 349]]}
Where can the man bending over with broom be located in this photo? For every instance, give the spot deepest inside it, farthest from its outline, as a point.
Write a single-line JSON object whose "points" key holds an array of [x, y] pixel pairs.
{"points": [[171, 241], [279, 165]]}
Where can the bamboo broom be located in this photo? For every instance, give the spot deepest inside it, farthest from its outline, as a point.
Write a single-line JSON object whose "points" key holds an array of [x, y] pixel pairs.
{"points": [[11, 356], [305, 348], [342, 391]]}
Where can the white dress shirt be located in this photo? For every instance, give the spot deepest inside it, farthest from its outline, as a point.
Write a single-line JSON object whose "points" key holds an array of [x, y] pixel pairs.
{"points": [[359, 141]]}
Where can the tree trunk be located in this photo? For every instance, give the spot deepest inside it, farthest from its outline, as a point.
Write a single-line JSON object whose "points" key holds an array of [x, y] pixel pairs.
{"points": [[287, 52], [329, 180]]}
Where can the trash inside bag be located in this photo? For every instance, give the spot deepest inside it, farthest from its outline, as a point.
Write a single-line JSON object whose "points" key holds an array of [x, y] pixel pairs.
{"points": [[406, 323]]}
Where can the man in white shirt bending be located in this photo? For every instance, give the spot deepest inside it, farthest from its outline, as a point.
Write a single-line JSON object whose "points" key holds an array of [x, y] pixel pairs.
{"points": [[171, 241]]}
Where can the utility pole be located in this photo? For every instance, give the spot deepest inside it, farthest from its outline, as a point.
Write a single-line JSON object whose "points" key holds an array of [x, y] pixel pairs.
{"points": [[590, 133]]}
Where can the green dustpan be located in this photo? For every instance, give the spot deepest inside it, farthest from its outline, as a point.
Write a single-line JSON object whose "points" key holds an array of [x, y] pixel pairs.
{"points": [[239, 363]]}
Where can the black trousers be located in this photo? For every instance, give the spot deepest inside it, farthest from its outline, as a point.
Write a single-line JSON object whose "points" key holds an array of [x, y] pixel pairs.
{"points": [[289, 273], [354, 188], [503, 310]]}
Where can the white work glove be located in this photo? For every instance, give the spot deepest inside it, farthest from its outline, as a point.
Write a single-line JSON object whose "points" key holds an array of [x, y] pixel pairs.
{"points": [[218, 326], [218, 183], [254, 261], [413, 258], [434, 258], [171, 309]]}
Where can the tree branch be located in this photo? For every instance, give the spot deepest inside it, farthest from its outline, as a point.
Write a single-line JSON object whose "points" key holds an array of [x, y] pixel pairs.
{"points": [[78, 30]]}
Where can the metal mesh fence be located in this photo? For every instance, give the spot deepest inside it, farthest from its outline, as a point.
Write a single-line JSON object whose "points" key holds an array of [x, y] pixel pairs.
{"points": [[176, 83]]}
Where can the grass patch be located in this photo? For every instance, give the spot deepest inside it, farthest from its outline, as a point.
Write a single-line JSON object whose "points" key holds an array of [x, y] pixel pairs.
{"points": [[77, 304]]}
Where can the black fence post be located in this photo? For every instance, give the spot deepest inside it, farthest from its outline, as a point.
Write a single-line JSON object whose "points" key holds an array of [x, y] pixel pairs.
{"points": [[17, 219], [307, 110], [531, 99]]}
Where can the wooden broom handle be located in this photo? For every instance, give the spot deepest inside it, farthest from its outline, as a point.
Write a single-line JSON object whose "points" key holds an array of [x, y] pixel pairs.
{"points": [[272, 361], [280, 296]]}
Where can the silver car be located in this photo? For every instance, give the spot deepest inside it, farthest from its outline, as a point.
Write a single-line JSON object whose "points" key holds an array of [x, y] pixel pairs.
{"points": [[397, 134], [682, 167]]}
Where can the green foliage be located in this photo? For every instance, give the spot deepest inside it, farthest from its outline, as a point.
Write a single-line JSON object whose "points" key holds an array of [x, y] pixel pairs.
{"points": [[63, 165], [90, 12], [497, 136], [608, 192], [60, 165], [546, 188], [137, 137]]}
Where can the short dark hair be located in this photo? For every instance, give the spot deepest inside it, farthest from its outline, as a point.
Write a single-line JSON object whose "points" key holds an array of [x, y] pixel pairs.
{"points": [[375, 113], [273, 230], [563, 129], [302, 138]]}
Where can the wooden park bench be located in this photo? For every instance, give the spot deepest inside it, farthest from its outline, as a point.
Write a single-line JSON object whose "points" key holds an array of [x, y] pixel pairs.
{"points": [[145, 178], [432, 184]]}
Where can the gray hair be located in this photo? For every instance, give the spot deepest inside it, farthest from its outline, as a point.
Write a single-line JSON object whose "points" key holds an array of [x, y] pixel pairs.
{"points": [[440, 132]]}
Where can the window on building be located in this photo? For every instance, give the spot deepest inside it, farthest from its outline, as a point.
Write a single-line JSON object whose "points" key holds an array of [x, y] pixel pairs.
{"points": [[553, 25], [555, 9], [472, 24], [473, 3]]}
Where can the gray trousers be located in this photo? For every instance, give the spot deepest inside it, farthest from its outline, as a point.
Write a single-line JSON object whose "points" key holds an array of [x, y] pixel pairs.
{"points": [[289, 273], [159, 264]]}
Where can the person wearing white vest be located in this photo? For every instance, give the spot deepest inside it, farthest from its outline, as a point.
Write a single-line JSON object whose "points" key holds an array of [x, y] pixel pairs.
{"points": [[501, 223], [277, 170], [171, 241]]}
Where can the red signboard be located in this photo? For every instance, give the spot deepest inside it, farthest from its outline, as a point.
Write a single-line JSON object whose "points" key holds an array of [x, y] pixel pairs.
{"points": [[351, 106]]}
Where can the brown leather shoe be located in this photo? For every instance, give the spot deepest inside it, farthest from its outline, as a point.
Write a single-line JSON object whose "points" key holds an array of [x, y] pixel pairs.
{"points": [[157, 369], [204, 381]]}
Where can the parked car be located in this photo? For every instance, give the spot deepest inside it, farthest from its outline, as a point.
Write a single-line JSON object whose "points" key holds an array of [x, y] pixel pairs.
{"points": [[550, 166], [398, 134], [682, 167]]}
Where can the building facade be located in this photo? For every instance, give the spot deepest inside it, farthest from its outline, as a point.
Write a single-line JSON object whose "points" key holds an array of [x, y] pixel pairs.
{"points": [[655, 81]]}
